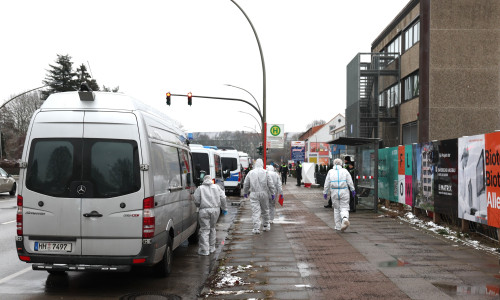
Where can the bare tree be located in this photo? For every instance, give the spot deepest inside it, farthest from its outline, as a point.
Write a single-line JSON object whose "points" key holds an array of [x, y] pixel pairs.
{"points": [[14, 121], [315, 123]]}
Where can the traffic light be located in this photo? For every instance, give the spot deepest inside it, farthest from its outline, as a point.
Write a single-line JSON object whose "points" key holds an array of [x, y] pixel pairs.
{"points": [[168, 98], [259, 149], [190, 98]]}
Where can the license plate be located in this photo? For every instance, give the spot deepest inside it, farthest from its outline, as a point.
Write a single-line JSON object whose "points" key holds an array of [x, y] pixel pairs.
{"points": [[53, 247]]}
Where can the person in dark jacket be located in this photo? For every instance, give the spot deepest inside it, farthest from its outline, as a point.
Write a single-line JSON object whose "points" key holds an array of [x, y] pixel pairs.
{"points": [[284, 173], [298, 172]]}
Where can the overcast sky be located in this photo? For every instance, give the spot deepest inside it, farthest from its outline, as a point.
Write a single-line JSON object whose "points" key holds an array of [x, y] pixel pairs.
{"points": [[151, 47]]}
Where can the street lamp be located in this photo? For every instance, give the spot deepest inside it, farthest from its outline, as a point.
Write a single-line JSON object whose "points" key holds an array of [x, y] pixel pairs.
{"points": [[264, 121], [243, 112]]}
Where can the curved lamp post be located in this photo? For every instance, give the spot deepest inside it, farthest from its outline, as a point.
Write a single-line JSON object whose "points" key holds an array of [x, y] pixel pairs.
{"points": [[264, 122]]}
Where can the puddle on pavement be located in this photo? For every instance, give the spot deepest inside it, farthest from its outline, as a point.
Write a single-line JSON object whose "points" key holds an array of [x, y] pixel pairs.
{"points": [[282, 220], [393, 263], [462, 290]]}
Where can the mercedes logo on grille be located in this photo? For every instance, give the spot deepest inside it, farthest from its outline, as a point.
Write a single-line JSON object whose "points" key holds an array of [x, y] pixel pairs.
{"points": [[81, 189]]}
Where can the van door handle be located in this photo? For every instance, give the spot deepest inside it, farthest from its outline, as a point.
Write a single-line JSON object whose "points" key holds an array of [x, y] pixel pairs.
{"points": [[175, 189], [92, 214]]}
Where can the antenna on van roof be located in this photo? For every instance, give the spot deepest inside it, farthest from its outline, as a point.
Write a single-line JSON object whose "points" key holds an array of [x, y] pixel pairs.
{"points": [[85, 92]]}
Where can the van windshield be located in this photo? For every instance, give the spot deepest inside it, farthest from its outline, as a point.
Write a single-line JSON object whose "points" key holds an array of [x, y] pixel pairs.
{"points": [[200, 162], [229, 163], [106, 168]]}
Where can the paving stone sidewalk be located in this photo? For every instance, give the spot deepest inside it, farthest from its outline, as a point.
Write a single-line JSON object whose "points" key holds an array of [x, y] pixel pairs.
{"points": [[378, 257]]}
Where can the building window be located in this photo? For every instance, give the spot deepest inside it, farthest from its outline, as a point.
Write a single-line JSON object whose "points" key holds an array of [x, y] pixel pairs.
{"points": [[412, 35], [410, 133], [389, 97], [411, 87]]}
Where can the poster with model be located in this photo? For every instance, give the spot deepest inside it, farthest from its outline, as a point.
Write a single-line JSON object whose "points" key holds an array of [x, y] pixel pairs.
{"points": [[472, 204], [492, 162], [445, 184]]}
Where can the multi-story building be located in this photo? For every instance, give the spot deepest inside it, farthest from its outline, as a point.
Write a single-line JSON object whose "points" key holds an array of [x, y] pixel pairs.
{"points": [[433, 73]]}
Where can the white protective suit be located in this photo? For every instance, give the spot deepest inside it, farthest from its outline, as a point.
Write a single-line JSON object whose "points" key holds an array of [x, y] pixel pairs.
{"points": [[260, 187], [338, 182], [275, 178], [210, 198]]}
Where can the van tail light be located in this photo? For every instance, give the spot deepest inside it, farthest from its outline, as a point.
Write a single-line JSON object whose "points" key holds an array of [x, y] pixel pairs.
{"points": [[239, 177], [19, 215], [148, 218], [213, 180]]}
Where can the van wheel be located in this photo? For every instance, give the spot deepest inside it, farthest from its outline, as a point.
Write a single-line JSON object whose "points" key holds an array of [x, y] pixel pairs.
{"points": [[164, 267], [52, 272], [13, 190], [193, 238], [237, 192]]}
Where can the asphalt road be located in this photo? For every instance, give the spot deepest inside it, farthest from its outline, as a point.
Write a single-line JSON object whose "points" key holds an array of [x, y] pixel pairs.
{"points": [[19, 281]]}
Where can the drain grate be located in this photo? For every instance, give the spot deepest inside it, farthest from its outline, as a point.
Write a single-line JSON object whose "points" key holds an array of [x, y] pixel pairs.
{"points": [[150, 296]]}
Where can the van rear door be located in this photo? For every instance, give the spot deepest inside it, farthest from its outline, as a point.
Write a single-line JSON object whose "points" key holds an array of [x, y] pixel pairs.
{"points": [[111, 222], [51, 208]]}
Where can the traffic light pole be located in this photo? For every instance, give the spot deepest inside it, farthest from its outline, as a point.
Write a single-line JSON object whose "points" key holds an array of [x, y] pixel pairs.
{"points": [[226, 99]]}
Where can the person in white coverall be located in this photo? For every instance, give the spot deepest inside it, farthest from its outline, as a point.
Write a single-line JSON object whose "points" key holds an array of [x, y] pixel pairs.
{"points": [[275, 178], [211, 199], [338, 182], [260, 187]]}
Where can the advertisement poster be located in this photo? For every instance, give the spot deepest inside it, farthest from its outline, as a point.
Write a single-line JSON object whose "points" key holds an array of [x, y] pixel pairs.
{"points": [[472, 203], [408, 175], [446, 177], [336, 150], [323, 149], [325, 161], [401, 175], [492, 162], [383, 170], [298, 150], [424, 193]]}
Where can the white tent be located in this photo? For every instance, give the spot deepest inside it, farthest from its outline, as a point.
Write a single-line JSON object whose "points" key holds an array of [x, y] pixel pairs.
{"points": [[308, 174]]}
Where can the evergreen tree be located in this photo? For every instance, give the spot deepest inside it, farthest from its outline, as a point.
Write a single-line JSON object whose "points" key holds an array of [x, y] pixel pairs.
{"points": [[84, 76], [60, 77]]}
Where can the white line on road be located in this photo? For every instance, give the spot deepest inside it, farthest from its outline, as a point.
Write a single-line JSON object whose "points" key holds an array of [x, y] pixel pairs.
{"points": [[5, 279], [4, 223]]}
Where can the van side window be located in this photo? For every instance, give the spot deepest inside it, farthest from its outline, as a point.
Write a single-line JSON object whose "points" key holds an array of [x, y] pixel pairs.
{"points": [[52, 166], [185, 166], [166, 169], [218, 167]]}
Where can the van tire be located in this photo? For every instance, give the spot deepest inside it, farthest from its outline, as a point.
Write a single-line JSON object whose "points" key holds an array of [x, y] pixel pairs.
{"points": [[13, 190], [164, 267], [194, 238]]}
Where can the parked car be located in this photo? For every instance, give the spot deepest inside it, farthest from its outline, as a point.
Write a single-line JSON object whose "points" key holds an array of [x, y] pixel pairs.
{"points": [[7, 183], [106, 183]]}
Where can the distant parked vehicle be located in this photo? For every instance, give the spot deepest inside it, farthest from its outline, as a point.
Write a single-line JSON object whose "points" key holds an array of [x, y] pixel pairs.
{"points": [[231, 163], [7, 183]]}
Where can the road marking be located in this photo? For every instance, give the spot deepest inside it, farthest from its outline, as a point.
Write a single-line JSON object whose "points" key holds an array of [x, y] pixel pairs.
{"points": [[4, 223], [5, 279]]}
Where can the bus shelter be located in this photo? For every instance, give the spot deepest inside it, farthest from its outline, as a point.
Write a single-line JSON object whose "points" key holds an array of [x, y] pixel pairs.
{"points": [[365, 152]]}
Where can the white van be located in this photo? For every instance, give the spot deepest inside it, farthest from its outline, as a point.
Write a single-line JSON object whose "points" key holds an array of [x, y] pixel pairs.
{"points": [[231, 162], [244, 160], [208, 160], [105, 184]]}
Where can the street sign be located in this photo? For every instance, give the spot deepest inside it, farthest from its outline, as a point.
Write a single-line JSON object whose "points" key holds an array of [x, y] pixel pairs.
{"points": [[275, 136]]}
